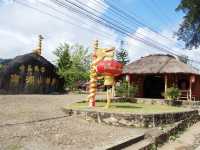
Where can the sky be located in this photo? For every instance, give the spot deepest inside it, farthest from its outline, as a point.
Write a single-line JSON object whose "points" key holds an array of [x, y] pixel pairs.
{"points": [[21, 24]]}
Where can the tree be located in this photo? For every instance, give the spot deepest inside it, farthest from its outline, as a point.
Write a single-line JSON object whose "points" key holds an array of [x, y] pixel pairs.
{"points": [[189, 30], [122, 55], [184, 59], [79, 71], [73, 64], [64, 61]]}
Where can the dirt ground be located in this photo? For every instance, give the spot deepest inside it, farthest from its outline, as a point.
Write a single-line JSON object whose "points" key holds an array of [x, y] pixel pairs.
{"points": [[21, 108], [36, 122]]}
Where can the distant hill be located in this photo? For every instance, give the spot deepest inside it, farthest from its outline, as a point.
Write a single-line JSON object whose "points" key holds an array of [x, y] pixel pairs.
{"points": [[4, 61]]}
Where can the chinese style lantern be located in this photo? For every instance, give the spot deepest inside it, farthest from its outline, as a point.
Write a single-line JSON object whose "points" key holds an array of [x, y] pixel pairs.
{"points": [[109, 68]]}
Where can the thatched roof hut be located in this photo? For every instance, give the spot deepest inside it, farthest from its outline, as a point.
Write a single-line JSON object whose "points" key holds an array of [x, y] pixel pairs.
{"points": [[158, 64], [155, 73], [32, 59], [29, 73]]}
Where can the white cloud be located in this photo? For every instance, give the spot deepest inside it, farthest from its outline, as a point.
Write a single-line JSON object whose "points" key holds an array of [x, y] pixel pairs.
{"points": [[20, 27], [137, 49]]}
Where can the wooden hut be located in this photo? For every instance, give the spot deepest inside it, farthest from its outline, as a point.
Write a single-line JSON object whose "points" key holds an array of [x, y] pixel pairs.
{"points": [[30, 73], [153, 74]]}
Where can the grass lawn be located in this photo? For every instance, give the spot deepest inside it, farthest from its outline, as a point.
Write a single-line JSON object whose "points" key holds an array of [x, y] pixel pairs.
{"points": [[127, 107]]}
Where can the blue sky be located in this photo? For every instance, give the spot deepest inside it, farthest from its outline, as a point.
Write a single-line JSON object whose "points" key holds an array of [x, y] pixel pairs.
{"points": [[158, 14], [20, 26]]}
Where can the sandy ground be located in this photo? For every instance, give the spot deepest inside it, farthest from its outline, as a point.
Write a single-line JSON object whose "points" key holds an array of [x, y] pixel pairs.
{"points": [[36, 122], [21, 108], [189, 140]]}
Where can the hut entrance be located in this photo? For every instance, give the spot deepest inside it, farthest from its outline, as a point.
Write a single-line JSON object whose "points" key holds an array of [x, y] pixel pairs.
{"points": [[183, 84], [153, 86]]}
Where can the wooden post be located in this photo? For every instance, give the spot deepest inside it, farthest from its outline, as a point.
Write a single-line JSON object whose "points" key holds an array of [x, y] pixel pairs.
{"points": [[38, 50], [128, 79], [165, 83], [190, 89], [113, 90], [108, 96]]}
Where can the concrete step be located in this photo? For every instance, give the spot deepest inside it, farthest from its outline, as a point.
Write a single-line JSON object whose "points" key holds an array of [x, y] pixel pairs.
{"points": [[141, 145], [124, 142]]}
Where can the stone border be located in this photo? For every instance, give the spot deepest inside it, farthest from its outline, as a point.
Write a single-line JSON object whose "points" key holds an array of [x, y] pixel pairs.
{"points": [[184, 103], [131, 119], [120, 144], [156, 138], [160, 137]]}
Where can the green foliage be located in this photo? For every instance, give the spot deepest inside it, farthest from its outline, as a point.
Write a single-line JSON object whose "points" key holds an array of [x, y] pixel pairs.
{"points": [[172, 93], [64, 59], [184, 59], [189, 30], [1, 67], [122, 55], [153, 147], [125, 90], [124, 106], [73, 64]]}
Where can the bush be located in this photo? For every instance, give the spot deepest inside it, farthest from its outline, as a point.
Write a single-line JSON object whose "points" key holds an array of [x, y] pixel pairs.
{"points": [[125, 90], [172, 93], [1, 67]]}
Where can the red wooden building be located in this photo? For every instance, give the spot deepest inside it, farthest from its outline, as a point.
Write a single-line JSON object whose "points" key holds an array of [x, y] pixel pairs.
{"points": [[153, 74]]}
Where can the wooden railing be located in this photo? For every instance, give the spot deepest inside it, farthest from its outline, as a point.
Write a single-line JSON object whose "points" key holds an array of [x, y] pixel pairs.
{"points": [[185, 95], [188, 95]]}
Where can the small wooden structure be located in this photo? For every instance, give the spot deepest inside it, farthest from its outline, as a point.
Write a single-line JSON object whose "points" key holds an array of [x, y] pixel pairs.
{"points": [[155, 73]]}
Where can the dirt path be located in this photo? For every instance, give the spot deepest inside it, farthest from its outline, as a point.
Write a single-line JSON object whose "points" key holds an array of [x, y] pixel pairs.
{"points": [[71, 133], [23, 108], [189, 140], [36, 122]]}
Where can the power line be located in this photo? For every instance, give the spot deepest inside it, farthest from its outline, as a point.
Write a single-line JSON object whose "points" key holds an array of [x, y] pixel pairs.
{"points": [[150, 44], [109, 24], [123, 32], [108, 19], [105, 35], [118, 29], [134, 19]]}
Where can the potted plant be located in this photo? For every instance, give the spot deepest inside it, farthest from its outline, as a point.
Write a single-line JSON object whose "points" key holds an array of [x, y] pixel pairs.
{"points": [[172, 93]]}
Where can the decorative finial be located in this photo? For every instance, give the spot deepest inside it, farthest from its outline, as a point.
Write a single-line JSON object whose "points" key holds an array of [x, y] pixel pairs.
{"points": [[96, 44], [38, 50]]}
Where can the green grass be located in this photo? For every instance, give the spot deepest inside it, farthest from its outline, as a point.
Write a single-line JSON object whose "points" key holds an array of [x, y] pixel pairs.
{"points": [[127, 107]]}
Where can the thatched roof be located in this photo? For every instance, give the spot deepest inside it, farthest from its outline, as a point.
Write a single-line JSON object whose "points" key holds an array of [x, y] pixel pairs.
{"points": [[27, 59], [45, 72], [157, 64]]}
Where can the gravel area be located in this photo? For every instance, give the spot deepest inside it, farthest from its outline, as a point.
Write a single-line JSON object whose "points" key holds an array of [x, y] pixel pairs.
{"points": [[36, 122]]}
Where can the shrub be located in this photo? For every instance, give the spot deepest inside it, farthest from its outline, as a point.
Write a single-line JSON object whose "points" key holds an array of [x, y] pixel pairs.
{"points": [[172, 93], [125, 90], [1, 67]]}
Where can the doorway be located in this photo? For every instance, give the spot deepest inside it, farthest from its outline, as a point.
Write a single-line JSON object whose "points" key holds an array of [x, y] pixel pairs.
{"points": [[153, 86]]}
